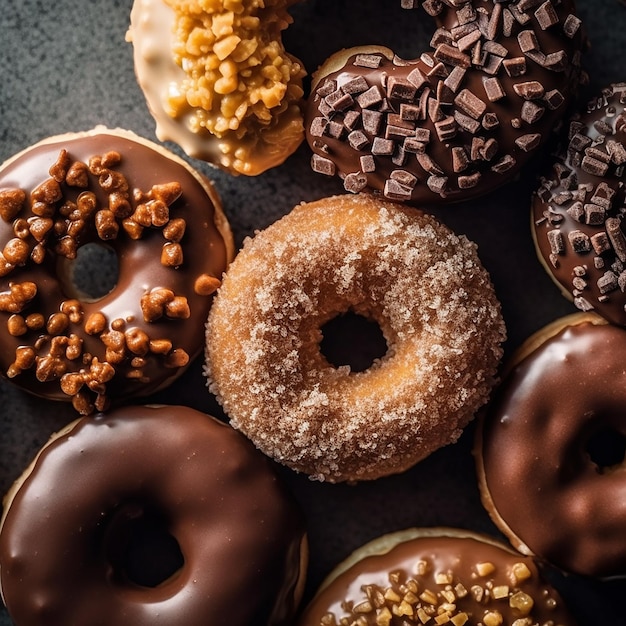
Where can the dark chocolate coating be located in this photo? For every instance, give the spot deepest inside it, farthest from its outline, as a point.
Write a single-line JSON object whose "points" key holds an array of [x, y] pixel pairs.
{"points": [[491, 138], [139, 260], [577, 212], [539, 472], [239, 532], [442, 556]]}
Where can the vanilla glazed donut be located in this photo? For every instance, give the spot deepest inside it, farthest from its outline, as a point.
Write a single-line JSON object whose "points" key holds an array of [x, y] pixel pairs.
{"points": [[165, 225], [550, 450], [104, 482], [422, 284], [578, 210], [461, 119], [218, 81], [436, 576]]}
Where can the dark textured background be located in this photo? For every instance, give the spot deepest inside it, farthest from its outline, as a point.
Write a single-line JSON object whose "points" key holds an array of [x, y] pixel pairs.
{"points": [[65, 66]]}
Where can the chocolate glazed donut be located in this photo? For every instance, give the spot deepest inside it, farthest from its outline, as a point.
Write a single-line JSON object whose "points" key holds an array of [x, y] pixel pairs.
{"points": [[68, 521], [164, 223], [578, 210], [460, 120], [548, 476]]}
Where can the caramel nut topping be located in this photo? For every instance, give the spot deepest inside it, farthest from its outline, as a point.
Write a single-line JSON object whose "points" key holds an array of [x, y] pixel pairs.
{"points": [[95, 324], [16, 251], [87, 189], [206, 285], [16, 325], [171, 255], [175, 230], [58, 170], [11, 203], [77, 175], [49, 192]]}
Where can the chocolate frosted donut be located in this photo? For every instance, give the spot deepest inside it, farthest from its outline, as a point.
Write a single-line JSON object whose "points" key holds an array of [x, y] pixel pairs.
{"points": [[164, 224], [423, 285], [436, 576], [461, 119], [550, 451], [578, 210], [75, 515]]}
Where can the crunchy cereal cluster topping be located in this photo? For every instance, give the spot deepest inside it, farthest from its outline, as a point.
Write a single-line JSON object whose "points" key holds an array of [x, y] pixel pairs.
{"points": [[49, 222], [239, 79], [434, 598]]}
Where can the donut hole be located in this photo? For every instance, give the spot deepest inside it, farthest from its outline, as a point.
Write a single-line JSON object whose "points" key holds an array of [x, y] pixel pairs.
{"points": [[140, 548], [354, 340], [92, 274], [606, 449]]}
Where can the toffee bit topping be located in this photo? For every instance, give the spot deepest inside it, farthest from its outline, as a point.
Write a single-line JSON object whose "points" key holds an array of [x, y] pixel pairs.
{"points": [[378, 113], [432, 597]]}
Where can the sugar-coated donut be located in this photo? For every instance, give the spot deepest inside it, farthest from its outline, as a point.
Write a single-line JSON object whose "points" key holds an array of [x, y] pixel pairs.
{"points": [[550, 451], [422, 284], [72, 519], [218, 80], [459, 120], [579, 208], [436, 576], [164, 223]]}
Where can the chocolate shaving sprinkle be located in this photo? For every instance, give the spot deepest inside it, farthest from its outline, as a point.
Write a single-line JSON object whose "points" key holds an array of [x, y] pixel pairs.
{"points": [[355, 182], [528, 142], [371, 61]]}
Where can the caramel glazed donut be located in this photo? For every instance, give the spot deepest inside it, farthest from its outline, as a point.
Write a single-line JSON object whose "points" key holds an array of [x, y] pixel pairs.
{"points": [[218, 81], [104, 482], [423, 285], [578, 210], [548, 452], [460, 120], [436, 576], [165, 224]]}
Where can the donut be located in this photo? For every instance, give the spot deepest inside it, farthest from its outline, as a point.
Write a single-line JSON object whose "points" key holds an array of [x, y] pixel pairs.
{"points": [[550, 450], [164, 224], [578, 209], [420, 283], [105, 483], [436, 576], [222, 87], [461, 119]]}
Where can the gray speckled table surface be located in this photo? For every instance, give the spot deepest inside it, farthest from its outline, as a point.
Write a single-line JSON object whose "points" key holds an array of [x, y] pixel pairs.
{"points": [[65, 66]]}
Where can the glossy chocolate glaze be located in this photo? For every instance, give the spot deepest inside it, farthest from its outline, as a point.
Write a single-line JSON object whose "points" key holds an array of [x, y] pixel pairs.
{"points": [[592, 278], [205, 249], [485, 169], [539, 476], [440, 556], [238, 530]]}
